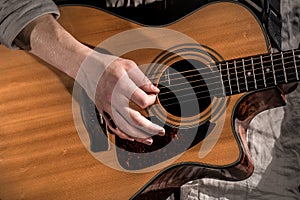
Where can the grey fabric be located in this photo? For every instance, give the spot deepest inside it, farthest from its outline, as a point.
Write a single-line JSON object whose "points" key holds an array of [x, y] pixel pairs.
{"points": [[16, 14], [274, 138]]}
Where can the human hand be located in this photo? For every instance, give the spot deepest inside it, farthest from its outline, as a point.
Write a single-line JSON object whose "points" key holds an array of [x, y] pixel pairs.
{"points": [[112, 83]]}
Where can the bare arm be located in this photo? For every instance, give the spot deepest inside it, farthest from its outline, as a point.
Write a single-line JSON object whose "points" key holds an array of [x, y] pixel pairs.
{"points": [[45, 38]]}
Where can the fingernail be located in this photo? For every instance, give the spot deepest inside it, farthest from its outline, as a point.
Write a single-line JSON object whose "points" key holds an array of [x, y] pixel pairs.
{"points": [[161, 132], [154, 88], [148, 141]]}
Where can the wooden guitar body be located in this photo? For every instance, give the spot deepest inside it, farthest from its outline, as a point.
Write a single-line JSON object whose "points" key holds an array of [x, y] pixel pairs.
{"points": [[42, 156]]}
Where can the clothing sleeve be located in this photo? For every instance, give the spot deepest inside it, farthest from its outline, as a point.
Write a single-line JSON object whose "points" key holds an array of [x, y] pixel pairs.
{"points": [[16, 14]]}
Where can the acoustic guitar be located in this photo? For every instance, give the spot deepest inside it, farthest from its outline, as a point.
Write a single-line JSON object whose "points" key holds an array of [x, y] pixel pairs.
{"points": [[216, 74]]}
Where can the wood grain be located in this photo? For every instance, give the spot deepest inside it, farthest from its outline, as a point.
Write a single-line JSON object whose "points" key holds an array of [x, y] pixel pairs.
{"points": [[41, 155]]}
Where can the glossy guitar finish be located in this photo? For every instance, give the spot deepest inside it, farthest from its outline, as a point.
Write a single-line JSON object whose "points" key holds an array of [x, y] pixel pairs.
{"points": [[63, 169]]}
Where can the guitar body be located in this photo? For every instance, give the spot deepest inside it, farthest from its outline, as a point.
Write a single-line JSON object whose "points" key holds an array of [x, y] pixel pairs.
{"points": [[63, 169]]}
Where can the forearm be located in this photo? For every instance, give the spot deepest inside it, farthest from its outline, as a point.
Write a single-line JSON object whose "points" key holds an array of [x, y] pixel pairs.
{"points": [[48, 40], [103, 77]]}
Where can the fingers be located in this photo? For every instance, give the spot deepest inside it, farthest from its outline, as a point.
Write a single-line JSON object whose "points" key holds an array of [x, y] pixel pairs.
{"points": [[141, 89], [132, 130], [123, 82], [129, 84], [139, 78], [142, 99], [129, 124], [134, 123], [134, 118], [145, 125], [112, 126]]}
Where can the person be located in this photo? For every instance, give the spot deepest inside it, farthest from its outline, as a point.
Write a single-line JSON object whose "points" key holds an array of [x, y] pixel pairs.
{"points": [[32, 26], [277, 162]]}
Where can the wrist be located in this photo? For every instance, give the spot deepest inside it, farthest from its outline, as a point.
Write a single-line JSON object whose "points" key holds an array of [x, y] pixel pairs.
{"points": [[52, 43]]}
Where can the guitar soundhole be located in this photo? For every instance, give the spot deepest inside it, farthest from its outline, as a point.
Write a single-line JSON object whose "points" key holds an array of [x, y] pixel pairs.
{"points": [[183, 94], [183, 91]]}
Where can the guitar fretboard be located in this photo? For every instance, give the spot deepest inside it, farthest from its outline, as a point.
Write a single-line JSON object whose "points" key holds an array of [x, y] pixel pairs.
{"points": [[259, 72]]}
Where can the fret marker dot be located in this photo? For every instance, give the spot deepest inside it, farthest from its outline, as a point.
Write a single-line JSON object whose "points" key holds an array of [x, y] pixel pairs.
{"points": [[248, 73], [268, 70]]}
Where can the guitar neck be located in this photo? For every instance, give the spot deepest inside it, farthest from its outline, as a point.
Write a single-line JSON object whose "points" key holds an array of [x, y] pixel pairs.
{"points": [[260, 72]]}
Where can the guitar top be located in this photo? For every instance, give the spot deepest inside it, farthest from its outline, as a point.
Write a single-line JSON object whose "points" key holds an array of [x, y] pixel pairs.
{"points": [[41, 155]]}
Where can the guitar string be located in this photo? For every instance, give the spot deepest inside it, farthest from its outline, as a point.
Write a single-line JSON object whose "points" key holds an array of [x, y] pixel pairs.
{"points": [[201, 92], [210, 84], [250, 58], [203, 97], [257, 74], [198, 98], [212, 90], [230, 68], [239, 72], [231, 63]]}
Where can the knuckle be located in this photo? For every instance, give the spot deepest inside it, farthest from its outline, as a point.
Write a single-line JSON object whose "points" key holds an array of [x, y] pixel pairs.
{"points": [[144, 103], [135, 116], [130, 63], [146, 81], [114, 71]]}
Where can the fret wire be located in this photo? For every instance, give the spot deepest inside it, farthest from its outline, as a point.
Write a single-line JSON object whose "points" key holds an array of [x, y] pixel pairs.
{"points": [[285, 77], [220, 70], [236, 76], [249, 59], [260, 85], [255, 84], [246, 82], [280, 75], [289, 67], [275, 54], [258, 74], [294, 58], [228, 74], [274, 75], [263, 71], [188, 100]]}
